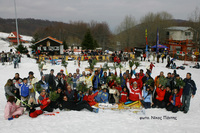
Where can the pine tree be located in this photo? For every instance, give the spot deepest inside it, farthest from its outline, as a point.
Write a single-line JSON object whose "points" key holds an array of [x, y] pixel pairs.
{"points": [[22, 49], [65, 45], [53, 96], [35, 38], [88, 41]]}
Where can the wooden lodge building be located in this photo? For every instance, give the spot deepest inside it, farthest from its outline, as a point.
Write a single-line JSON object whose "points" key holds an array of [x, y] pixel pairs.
{"points": [[50, 46]]}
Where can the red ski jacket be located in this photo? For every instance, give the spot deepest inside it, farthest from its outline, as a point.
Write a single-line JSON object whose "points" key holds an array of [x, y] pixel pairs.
{"points": [[178, 98], [134, 94], [123, 97], [43, 101], [160, 94]]}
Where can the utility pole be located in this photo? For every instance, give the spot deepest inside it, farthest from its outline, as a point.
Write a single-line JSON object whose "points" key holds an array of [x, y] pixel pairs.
{"points": [[16, 23]]}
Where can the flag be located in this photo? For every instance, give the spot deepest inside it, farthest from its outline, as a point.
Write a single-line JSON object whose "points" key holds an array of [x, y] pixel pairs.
{"points": [[146, 43], [157, 41]]}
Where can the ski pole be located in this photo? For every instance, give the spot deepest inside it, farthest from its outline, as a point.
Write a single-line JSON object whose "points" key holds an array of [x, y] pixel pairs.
{"points": [[23, 102]]}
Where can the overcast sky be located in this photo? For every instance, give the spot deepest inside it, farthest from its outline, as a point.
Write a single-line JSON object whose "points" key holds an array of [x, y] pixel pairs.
{"points": [[110, 11]]}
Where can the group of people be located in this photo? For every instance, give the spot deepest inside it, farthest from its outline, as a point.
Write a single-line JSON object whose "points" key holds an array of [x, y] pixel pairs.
{"points": [[82, 90], [10, 57]]}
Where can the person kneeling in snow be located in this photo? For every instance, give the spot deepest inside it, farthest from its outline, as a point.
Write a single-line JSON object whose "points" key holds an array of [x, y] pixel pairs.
{"points": [[134, 91], [159, 100], [175, 100], [44, 101], [12, 110], [76, 106], [147, 97], [104, 96]]}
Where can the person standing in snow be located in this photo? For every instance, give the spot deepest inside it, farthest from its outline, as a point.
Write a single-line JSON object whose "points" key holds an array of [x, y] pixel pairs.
{"points": [[24, 89], [9, 89], [29, 80], [96, 81], [189, 90], [50, 79], [2, 57]]}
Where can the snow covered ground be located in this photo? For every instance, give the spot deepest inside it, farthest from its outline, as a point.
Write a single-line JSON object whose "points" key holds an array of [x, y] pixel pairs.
{"points": [[105, 120]]}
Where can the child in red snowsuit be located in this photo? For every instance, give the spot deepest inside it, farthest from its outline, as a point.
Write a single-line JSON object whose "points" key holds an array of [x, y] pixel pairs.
{"points": [[124, 96]]}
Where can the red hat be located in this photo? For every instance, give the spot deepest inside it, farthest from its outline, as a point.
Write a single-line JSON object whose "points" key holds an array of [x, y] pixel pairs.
{"points": [[61, 70]]}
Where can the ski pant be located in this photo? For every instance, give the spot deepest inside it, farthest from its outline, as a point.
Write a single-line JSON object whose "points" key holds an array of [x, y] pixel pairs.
{"points": [[83, 105], [160, 104], [146, 104], [54, 104], [172, 108], [48, 109], [186, 102], [35, 113]]}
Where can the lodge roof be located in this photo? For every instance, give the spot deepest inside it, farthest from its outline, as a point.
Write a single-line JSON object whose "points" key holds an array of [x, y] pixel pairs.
{"points": [[15, 35], [51, 38], [179, 28]]}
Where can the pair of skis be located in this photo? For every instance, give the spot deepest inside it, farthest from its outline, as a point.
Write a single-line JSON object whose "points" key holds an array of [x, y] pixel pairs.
{"points": [[51, 113]]}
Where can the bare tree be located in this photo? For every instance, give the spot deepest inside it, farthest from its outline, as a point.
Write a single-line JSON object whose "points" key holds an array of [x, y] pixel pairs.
{"points": [[125, 30], [194, 19]]}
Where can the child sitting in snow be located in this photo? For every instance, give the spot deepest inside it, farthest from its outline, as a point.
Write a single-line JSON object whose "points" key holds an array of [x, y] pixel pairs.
{"points": [[124, 96], [32, 111], [104, 96], [12, 110]]}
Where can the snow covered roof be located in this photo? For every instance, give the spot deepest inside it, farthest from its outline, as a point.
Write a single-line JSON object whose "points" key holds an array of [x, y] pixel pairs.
{"points": [[179, 28]]}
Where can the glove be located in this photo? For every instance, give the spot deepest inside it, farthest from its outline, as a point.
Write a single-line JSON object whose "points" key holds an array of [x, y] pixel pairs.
{"points": [[11, 118]]}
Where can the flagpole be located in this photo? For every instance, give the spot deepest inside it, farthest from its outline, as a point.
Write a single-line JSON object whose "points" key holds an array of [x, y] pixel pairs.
{"points": [[16, 23]]}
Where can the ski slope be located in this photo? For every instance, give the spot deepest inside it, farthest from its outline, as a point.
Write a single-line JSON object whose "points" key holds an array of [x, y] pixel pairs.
{"points": [[106, 120]]}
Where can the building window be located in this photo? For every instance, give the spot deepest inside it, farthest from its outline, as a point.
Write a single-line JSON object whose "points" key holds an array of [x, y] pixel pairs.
{"points": [[187, 33]]}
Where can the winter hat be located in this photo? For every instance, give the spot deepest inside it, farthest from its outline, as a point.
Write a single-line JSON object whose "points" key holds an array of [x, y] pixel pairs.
{"points": [[135, 82], [61, 70], [30, 73], [59, 74]]}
